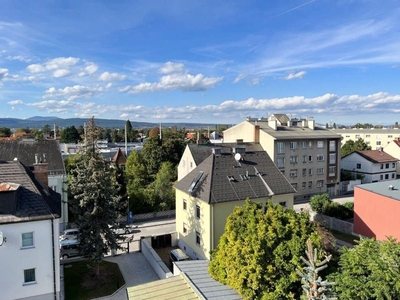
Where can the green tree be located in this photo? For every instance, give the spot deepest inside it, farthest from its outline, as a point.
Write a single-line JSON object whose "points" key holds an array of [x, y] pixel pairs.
{"points": [[38, 135], [5, 132], [46, 129], [70, 135], [317, 202], [351, 146], [259, 251], [153, 154], [95, 202], [369, 271], [162, 191]]}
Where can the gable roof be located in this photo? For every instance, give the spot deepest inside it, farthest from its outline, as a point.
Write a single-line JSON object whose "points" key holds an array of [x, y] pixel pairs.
{"points": [[223, 179], [25, 152], [32, 201], [119, 157], [197, 272], [176, 288], [375, 156], [283, 119]]}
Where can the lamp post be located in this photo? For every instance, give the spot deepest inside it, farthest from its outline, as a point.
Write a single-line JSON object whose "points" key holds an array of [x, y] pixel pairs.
{"points": [[127, 211]]}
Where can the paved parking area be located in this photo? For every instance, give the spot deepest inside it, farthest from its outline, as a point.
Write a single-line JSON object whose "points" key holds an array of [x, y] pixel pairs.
{"points": [[135, 269]]}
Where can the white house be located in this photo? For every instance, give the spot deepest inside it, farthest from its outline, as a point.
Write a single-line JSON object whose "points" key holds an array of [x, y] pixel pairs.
{"points": [[393, 149], [371, 165], [29, 224]]}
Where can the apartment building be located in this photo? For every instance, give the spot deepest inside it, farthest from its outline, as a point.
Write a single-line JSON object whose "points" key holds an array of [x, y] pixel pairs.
{"points": [[307, 154], [376, 138]]}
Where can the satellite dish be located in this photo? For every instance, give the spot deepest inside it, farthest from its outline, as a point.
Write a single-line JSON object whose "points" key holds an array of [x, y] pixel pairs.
{"points": [[238, 156], [1, 238]]}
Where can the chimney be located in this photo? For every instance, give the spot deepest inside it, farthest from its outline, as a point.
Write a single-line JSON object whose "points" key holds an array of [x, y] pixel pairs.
{"points": [[272, 124], [311, 124], [41, 172], [257, 134]]}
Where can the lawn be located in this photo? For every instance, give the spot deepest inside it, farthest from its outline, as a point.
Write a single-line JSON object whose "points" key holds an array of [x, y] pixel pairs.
{"points": [[349, 238], [81, 284]]}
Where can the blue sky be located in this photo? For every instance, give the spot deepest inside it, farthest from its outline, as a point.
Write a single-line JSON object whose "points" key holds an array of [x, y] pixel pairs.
{"points": [[201, 61]]}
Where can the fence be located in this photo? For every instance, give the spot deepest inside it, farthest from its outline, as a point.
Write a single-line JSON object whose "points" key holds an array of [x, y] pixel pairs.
{"points": [[333, 223], [156, 215]]}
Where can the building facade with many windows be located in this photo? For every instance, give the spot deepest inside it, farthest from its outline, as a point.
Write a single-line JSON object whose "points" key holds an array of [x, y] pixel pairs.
{"points": [[307, 154], [376, 138]]}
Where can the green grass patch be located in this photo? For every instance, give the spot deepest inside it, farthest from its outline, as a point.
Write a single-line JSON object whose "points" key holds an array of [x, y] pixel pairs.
{"points": [[81, 283], [349, 238]]}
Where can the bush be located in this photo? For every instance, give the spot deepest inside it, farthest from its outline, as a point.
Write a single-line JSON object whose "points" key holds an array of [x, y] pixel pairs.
{"points": [[336, 210], [318, 201], [349, 205]]}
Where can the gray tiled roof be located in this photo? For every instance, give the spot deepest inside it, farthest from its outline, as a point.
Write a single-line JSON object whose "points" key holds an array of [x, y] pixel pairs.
{"points": [[197, 272], [201, 152], [382, 188], [25, 152], [214, 185], [33, 203]]}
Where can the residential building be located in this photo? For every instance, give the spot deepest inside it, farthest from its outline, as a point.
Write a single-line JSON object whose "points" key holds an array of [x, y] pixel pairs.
{"points": [[48, 153], [393, 149], [119, 159], [376, 138], [29, 222], [208, 194], [307, 154], [377, 209], [370, 165]]}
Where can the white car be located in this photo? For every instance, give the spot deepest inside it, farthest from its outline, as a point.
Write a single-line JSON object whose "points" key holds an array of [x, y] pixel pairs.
{"points": [[69, 234]]}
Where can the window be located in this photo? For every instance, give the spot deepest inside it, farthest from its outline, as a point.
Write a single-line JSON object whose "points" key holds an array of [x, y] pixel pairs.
{"points": [[320, 183], [381, 166], [320, 144], [310, 184], [332, 146], [390, 136], [310, 171], [293, 159], [29, 276], [281, 162], [191, 164], [357, 136], [320, 171], [332, 171], [185, 229], [293, 145], [392, 175], [294, 185], [198, 238], [303, 185], [387, 166], [381, 177], [310, 158], [358, 166], [367, 135], [304, 145], [281, 147], [320, 157], [54, 188], [393, 165], [27, 240], [304, 158], [197, 212], [304, 172], [184, 204], [283, 203], [378, 143], [386, 176], [332, 159], [310, 144], [293, 173]]}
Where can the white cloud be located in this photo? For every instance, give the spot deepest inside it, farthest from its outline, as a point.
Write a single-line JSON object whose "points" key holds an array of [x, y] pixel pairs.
{"points": [[239, 77], [61, 73], [89, 69], [106, 76], [72, 93], [3, 73], [19, 57], [15, 102], [294, 75], [61, 66], [171, 67]]}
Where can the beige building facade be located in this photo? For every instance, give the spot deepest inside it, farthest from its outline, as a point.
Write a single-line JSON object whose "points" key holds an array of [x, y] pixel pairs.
{"points": [[308, 155], [376, 138]]}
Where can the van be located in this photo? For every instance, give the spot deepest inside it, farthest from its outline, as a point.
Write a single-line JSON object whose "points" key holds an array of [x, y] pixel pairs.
{"points": [[69, 248], [69, 234], [177, 255]]}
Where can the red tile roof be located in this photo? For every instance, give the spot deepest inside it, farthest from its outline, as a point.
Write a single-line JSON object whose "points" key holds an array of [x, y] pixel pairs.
{"points": [[376, 156]]}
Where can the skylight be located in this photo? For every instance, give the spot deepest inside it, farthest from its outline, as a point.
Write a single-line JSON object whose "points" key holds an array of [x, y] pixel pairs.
{"points": [[195, 181]]}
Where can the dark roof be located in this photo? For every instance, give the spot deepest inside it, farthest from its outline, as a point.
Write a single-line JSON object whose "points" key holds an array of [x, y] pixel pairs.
{"points": [[32, 201], [376, 156], [214, 185], [119, 157], [25, 152], [201, 152], [197, 272]]}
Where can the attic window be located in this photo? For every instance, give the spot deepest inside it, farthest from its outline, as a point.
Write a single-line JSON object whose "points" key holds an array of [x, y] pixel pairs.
{"points": [[195, 181], [230, 178]]}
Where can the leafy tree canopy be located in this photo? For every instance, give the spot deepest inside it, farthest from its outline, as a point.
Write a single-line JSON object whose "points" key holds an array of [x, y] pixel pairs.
{"points": [[351, 146], [70, 135], [5, 132], [369, 271], [259, 252]]}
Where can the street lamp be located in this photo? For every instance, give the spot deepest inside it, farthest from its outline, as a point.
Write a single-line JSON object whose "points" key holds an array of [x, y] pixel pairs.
{"points": [[127, 211]]}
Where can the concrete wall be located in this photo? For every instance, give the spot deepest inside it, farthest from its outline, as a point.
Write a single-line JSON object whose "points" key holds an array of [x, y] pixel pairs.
{"points": [[376, 215], [332, 223], [244, 130], [154, 260]]}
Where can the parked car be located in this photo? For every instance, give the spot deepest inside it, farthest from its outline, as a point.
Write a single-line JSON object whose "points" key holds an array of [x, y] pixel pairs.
{"points": [[69, 248], [177, 255], [121, 229], [69, 234]]}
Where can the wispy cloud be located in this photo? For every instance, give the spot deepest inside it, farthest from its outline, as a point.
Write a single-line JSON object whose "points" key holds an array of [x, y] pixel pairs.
{"points": [[294, 75], [107, 76]]}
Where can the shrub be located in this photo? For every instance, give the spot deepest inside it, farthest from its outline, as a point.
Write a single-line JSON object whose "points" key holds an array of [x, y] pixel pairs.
{"points": [[349, 205], [336, 210], [318, 201]]}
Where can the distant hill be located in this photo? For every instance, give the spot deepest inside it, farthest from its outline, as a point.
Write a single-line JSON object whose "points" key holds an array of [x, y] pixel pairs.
{"points": [[39, 122]]}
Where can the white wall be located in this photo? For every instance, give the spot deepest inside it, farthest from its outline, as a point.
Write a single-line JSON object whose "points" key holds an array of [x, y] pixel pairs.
{"points": [[154, 259], [14, 260]]}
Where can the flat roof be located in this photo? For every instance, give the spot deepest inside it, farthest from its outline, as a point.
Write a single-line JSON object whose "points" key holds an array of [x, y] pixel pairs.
{"points": [[382, 188]]}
